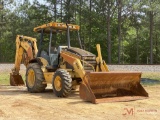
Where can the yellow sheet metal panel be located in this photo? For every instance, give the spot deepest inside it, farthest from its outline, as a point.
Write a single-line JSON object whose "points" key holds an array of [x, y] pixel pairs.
{"points": [[56, 26], [48, 76]]}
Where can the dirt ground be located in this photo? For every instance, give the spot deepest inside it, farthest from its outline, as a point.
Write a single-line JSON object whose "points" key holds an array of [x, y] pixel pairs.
{"points": [[17, 104]]}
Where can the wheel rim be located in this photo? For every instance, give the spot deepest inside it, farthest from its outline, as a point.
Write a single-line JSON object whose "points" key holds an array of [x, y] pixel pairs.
{"points": [[58, 83], [31, 78]]}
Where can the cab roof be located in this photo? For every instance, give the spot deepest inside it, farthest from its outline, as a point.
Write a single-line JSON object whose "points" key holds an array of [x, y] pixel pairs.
{"points": [[56, 27]]}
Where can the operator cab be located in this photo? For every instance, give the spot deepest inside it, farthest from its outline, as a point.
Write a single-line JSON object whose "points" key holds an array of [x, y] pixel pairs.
{"points": [[53, 52]]}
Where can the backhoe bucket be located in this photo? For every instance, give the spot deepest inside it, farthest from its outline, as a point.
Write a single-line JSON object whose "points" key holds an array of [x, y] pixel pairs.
{"points": [[16, 80], [100, 87]]}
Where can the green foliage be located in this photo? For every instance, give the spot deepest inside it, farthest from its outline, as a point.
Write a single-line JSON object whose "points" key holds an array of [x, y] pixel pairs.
{"points": [[17, 17]]}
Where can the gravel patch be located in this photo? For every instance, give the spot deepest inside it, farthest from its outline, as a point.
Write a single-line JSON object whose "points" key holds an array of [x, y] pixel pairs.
{"points": [[142, 68]]}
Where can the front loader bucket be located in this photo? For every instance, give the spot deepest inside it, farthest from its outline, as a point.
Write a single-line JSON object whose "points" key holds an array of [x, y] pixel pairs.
{"points": [[16, 80], [100, 87]]}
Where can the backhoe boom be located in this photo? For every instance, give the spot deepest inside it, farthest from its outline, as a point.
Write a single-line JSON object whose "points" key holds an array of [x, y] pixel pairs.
{"points": [[26, 49]]}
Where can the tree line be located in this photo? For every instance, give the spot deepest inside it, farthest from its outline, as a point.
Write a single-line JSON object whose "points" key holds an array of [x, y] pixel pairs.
{"points": [[127, 30]]}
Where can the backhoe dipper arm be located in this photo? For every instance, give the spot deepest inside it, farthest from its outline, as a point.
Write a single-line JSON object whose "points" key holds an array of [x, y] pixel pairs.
{"points": [[26, 49], [23, 45]]}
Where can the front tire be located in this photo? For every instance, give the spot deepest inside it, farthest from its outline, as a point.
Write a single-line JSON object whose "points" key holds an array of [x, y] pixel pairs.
{"points": [[62, 83], [34, 78]]}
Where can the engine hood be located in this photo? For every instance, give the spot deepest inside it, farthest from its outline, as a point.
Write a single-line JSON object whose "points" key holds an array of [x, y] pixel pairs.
{"points": [[80, 52]]}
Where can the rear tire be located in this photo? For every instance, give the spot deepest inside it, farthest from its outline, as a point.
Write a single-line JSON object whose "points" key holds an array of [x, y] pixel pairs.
{"points": [[62, 83], [34, 78]]}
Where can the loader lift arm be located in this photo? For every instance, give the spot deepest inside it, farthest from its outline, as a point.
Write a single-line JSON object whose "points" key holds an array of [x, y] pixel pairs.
{"points": [[26, 49]]}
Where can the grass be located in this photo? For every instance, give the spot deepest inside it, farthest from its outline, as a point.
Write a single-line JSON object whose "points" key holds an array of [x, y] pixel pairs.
{"points": [[151, 75]]}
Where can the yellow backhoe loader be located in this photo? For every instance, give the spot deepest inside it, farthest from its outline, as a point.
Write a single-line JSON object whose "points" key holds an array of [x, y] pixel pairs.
{"points": [[63, 66]]}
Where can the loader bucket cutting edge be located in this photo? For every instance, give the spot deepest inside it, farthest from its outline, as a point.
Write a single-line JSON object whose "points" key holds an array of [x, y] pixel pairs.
{"points": [[16, 80], [100, 87]]}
